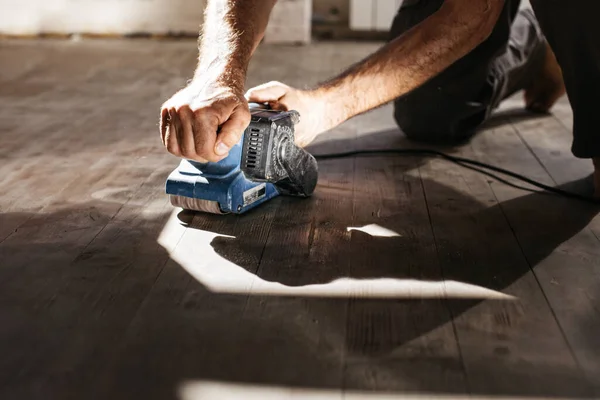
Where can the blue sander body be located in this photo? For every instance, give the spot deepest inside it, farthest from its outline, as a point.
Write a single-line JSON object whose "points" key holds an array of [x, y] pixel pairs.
{"points": [[264, 164]]}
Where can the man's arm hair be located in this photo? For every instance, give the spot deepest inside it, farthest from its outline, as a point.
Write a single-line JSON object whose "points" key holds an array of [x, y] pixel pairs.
{"points": [[231, 32], [413, 58]]}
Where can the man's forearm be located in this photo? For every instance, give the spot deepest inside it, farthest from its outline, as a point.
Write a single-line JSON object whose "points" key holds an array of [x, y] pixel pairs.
{"points": [[413, 58], [232, 30]]}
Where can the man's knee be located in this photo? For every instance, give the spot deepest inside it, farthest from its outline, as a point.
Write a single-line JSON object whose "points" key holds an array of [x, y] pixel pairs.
{"points": [[435, 125], [434, 135]]}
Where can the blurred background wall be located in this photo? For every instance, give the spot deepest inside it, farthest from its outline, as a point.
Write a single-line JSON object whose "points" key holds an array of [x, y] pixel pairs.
{"points": [[30, 17], [292, 20]]}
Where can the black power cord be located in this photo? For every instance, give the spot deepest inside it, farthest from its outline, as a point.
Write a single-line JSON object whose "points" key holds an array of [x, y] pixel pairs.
{"points": [[467, 163]]}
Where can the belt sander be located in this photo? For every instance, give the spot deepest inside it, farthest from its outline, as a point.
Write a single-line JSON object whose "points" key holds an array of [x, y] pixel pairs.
{"points": [[264, 164]]}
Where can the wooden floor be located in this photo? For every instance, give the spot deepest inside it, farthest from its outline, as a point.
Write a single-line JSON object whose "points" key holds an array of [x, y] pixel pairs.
{"points": [[401, 278]]}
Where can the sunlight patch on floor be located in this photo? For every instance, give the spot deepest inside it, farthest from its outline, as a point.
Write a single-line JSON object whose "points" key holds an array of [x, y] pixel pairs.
{"points": [[192, 249], [207, 390], [374, 230]]}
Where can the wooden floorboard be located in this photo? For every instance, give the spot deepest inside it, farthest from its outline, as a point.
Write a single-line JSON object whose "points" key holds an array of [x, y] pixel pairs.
{"points": [[77, 215], [400, 277], [194, 329], [390, 343], [510, 347], [570, 273]]}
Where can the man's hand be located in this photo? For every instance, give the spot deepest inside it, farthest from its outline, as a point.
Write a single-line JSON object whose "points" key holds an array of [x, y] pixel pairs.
{"points": [[316, 116], [203, 121]]}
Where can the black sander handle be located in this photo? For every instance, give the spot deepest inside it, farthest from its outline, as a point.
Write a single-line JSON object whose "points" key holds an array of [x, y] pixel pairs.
{"points": [[270, 154]]}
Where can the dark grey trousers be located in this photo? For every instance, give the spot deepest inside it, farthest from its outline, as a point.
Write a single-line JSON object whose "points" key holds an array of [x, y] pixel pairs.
{"points": [[450, 107]]}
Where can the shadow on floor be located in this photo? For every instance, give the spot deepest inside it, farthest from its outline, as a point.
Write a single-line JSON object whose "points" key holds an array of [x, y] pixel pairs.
{"points": [[122, 320], [475, 245]]}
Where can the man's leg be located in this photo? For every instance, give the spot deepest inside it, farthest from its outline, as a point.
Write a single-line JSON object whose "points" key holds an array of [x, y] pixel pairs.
{"points": [[573, 30], [449, 107], [528, 63]]}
